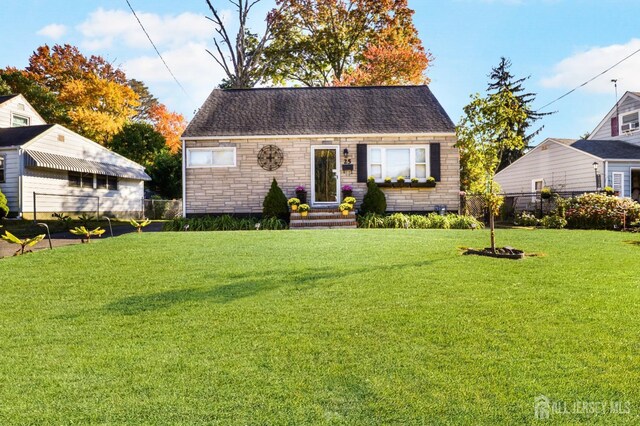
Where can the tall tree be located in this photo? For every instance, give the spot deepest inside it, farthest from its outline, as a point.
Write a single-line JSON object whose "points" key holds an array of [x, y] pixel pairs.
{"points": [[166, 174], [484, 134], [42, 99], [326, 42], [145, 98], [4, 87], [139, 142], [169, 124], [95, 94], [240, 56], [501, 79]]}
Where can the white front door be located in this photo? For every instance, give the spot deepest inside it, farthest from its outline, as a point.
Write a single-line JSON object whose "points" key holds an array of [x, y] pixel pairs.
{"points": [[325, 178]]}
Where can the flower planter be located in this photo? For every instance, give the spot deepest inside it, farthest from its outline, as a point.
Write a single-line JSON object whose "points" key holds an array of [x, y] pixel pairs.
{"points": [[384, 184], [294, 208], [345, 212], [400, 185], [302, 196], [423, 185], [304, 214], [500, 253], [346, 194]]}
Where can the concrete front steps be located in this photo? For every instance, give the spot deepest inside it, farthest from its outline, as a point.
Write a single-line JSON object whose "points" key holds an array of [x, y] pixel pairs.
{"points": [[323, 219]]}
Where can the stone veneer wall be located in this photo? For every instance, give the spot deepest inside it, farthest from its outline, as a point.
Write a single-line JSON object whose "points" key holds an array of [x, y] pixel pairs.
{"points": [[242, 189]]}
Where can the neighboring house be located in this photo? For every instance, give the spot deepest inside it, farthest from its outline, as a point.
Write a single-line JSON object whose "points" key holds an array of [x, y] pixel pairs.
{"points": [[609, 157], [66, 172], [322, 139]]}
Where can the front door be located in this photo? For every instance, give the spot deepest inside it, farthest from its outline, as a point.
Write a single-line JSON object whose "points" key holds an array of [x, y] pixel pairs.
{"points": [[325, 181]]}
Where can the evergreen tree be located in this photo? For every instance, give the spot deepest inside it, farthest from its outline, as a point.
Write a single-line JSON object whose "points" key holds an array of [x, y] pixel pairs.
{"points": [[374, 200], [275, 203], [502, 80]]}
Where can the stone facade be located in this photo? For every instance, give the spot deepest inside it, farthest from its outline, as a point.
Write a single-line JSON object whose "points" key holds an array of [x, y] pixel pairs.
{"points": [[241, 189]]}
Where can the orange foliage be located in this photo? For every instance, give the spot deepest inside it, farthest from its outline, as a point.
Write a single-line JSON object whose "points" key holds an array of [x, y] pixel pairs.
{"points": [[169, 124]]}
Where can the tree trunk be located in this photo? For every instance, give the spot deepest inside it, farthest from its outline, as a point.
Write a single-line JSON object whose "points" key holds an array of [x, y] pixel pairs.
{"points": [[493, 232]]}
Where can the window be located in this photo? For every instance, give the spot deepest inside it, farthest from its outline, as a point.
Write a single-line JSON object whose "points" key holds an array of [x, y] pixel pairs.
{"points": [[394, 161], [617, 183], [107, 182], [211, 157], [2, 166], [630, 122], [536, 188], [19, 121], [80, 180]]}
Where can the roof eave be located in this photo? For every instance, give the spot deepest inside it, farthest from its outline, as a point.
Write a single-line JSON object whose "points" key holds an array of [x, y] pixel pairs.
{"points": [[317, 136]]}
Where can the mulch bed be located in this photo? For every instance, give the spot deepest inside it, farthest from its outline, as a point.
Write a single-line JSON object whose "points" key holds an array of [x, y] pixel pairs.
{"points": [[500, 253]]}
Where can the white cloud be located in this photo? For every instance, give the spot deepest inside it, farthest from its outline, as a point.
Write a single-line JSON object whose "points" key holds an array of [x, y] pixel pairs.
{"points": [[104, 28], [54, 31], [582, 66]]}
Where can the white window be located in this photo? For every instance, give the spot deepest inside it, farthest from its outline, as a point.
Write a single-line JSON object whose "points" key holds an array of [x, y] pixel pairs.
{"points": [[211, 157], [536, 188], [19, 121], [630, 122], [393, 161], [617, 183], [2, 166]]}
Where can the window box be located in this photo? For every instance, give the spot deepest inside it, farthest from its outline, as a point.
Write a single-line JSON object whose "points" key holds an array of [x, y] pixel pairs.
{"points": [[347, 167], [384, 184], [423, 185]]}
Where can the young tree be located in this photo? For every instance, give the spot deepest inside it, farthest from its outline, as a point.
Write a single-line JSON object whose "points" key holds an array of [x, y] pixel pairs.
{"points": [[501, 79], [326, 42], [241, 57], [484, 134], [166, 174]]}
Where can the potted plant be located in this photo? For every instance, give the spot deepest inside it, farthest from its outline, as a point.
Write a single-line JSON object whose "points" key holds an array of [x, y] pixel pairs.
{"points": [[608, 190], [546, 193], [400, 181], [431, 182], [414, 181], [301, 194], [345, 208], [294, 203], [387, 183], [349, 200], [347, 191], [304, 209]]}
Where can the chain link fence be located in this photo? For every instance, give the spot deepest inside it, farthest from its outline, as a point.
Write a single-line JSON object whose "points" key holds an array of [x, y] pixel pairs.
{"points": [[162, 209]]}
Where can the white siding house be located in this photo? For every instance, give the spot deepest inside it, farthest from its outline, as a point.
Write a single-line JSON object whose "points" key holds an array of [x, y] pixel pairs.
{"points": [[61, 170], [567, 165]]}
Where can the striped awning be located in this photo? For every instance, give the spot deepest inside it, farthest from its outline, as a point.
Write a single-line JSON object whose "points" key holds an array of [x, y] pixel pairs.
{"points": [[47, 160]]}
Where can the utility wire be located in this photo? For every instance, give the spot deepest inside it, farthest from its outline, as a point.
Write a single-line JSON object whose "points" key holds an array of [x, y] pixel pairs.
{"points": [[588, 81], [157, 51]]}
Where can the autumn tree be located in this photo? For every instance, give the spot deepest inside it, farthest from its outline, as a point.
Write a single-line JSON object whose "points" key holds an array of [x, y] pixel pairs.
{"points": [[485, 133], [345, 42], [42, 99], [4, 87], [240, 55], [146, 100], [501, 79], [96, 95], [169, 124]]}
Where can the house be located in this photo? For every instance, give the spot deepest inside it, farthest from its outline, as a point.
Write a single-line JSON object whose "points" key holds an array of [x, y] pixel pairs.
{"points": [[46, 168], [609, 157], [322, 139]]}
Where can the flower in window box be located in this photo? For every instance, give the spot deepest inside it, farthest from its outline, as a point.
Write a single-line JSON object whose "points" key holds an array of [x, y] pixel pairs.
{"points": [[431, 182], [400, 180]]}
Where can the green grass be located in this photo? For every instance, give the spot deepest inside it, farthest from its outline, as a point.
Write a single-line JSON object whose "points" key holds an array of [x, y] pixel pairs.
{"points": [[332, 327]]}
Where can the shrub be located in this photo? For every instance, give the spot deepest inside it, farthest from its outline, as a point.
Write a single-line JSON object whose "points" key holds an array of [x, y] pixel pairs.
{"points": [[608, 190], [86, 234], [371, 220], [374, 200], [208, 223], [23, 243], [4, 205], [526, 219], [437, 221], [139, 225], [275, 203], [272, 224], [599, 211], [457, 221], [553, 222], [397, 221]]}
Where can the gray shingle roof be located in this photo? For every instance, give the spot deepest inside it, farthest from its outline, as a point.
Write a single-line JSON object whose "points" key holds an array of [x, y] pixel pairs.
{"points": [[5, 98], [320, 111], [609, 149], [16, 136]]}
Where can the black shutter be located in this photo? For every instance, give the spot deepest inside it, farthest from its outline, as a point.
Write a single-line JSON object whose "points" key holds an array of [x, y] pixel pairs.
{"points": [[434, 159], [362, 162]]}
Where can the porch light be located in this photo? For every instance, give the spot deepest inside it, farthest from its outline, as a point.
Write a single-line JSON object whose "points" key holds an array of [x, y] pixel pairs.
{"points": [[595, 166], [346, 152]]}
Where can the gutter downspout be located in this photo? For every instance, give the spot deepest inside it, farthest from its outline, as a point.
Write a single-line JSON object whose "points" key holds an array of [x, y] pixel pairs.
{"points": [[606, 173], [184, 179], [20, 184]]}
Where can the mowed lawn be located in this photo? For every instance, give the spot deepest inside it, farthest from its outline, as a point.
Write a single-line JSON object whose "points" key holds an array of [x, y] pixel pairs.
{"points": [[329, 327]]}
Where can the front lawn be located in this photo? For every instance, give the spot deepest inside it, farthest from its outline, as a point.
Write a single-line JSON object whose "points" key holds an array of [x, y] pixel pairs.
{"points": [[330, 327]]}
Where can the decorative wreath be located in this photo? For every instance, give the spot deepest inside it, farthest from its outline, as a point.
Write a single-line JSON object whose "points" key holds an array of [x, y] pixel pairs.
{"points": [[270, 157]]}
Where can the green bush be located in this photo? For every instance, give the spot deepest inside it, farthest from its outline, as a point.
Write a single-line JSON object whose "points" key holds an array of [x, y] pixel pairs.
{"points": [[275, 203], [374, 200], [526, 219], [272, 224], [4, 207], [599, 211], [417, 221], [223, 223], [553, 222]]}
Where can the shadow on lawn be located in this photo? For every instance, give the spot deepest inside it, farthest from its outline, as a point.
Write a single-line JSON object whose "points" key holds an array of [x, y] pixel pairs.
{"points": [[247, 286]]}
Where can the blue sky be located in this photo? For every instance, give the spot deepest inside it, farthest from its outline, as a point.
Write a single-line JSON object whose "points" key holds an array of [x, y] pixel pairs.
{"points": [[559, 43]]}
